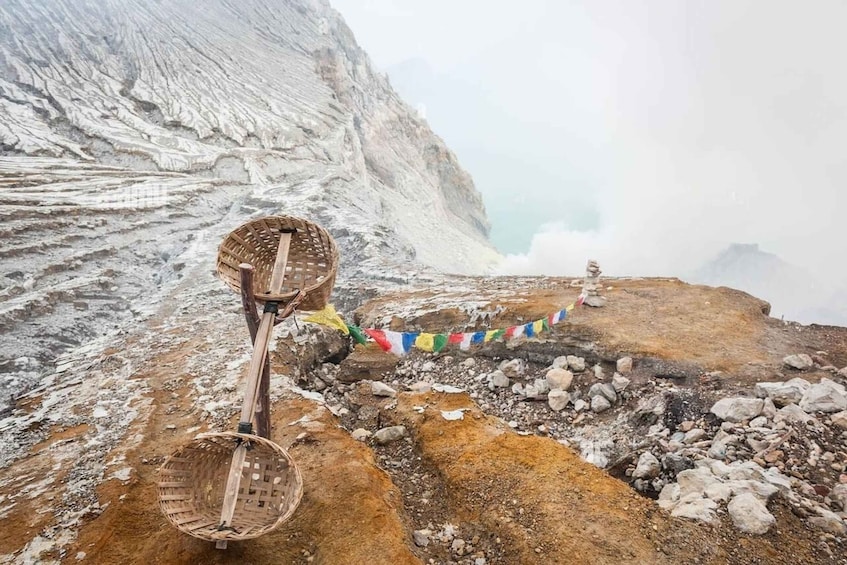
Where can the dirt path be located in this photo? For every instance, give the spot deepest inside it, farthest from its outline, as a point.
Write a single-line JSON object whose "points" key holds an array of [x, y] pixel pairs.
{"points": [[350, 511]]}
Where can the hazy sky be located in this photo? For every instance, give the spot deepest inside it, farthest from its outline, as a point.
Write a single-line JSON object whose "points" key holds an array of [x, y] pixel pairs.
{"points": [[646, 134]]}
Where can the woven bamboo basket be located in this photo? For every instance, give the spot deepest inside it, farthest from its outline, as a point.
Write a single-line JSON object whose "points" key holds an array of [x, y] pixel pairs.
{"points": [[312, 259], [192, 483]]}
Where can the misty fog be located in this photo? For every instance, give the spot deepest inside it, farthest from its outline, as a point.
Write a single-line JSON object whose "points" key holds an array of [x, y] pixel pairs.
{"points": [[647, 135]]}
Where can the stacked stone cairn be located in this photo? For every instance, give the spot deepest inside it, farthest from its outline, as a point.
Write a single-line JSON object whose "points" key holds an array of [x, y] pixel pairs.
{"points": [[591, 286]]}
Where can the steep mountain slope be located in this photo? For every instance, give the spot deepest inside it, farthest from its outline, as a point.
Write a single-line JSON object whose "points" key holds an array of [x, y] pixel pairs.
{"points": [[276, 93], [795, 294], [133, 131]]}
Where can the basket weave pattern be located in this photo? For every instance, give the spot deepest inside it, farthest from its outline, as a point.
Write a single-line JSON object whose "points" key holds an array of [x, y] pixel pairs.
{"points": [[192, 483], [312, 259]]}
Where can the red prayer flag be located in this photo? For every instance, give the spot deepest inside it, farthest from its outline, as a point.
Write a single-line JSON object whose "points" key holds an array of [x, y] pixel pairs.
{"points": [[455, 338], [379, 337]]}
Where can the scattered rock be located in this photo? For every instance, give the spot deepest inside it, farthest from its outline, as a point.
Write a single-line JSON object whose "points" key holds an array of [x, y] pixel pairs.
{"points": [[619, 382], [421, 387], [468, 363], [605, 390], [737, 409], [421, 537], [513, 368], [366, 364], [826, 396], [379, 388], [360, 434], [774, 456], [702, 509], [498, 379], [840, 419], [750, 515], [799, 361], [828, 521], [839, 495], [649, 409], [624, 365], [542, 386], [580, 405], [675, 464], [648, 467], [793, 413], [389, 434], [428, 367], [759, 422], [560, 362], [576, 363], [782, 394], [559, 379], [600, 404], [557, 399], [693, 436], [458, 546], [598, 372]]}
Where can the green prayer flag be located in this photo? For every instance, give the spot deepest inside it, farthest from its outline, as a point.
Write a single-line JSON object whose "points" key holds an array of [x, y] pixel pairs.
{"points": [[439, 342], [357, 334], [498, 334]]}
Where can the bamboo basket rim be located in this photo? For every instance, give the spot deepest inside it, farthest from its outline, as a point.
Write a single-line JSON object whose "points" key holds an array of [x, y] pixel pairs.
{"points": [[312, 264], [292, 503]]}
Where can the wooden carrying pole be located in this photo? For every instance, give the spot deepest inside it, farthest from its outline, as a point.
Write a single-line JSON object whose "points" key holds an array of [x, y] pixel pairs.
{"points": [[248, 302], [260, 352]]}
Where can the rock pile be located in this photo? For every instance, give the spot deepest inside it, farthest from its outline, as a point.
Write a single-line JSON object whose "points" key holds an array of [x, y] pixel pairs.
{"points": [[766, 446], [591, 287], [732, 456]]}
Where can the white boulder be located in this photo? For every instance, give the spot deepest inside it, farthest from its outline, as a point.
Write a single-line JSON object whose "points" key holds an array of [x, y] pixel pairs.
{"points": [[782, 394], [840, 419], [513, 368], [648, 467], [559, 378], [799, 361], [750, 515], [619, 382], [576, 363], [498, 379], [381, 389], [737, 409], [826, 396], [600, 404], [693, 508], [557, 399]]}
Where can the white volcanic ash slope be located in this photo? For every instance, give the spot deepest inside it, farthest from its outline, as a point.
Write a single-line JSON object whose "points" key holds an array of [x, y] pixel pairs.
{"points": [[129, 130], [277, 94]]}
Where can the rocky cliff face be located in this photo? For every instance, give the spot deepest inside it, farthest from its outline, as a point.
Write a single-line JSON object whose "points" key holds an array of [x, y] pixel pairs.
{"points": [[134, 134], [277, 94]]}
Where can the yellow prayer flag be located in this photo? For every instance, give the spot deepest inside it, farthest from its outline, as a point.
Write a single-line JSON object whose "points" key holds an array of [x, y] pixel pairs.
{"points": [[425, 342], [328, 317], [570, 307], [537, 326], [489, 335]]}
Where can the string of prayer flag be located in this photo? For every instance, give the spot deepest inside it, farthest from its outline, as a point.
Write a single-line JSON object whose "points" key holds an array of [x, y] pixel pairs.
{"points": [[400, 343]]}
